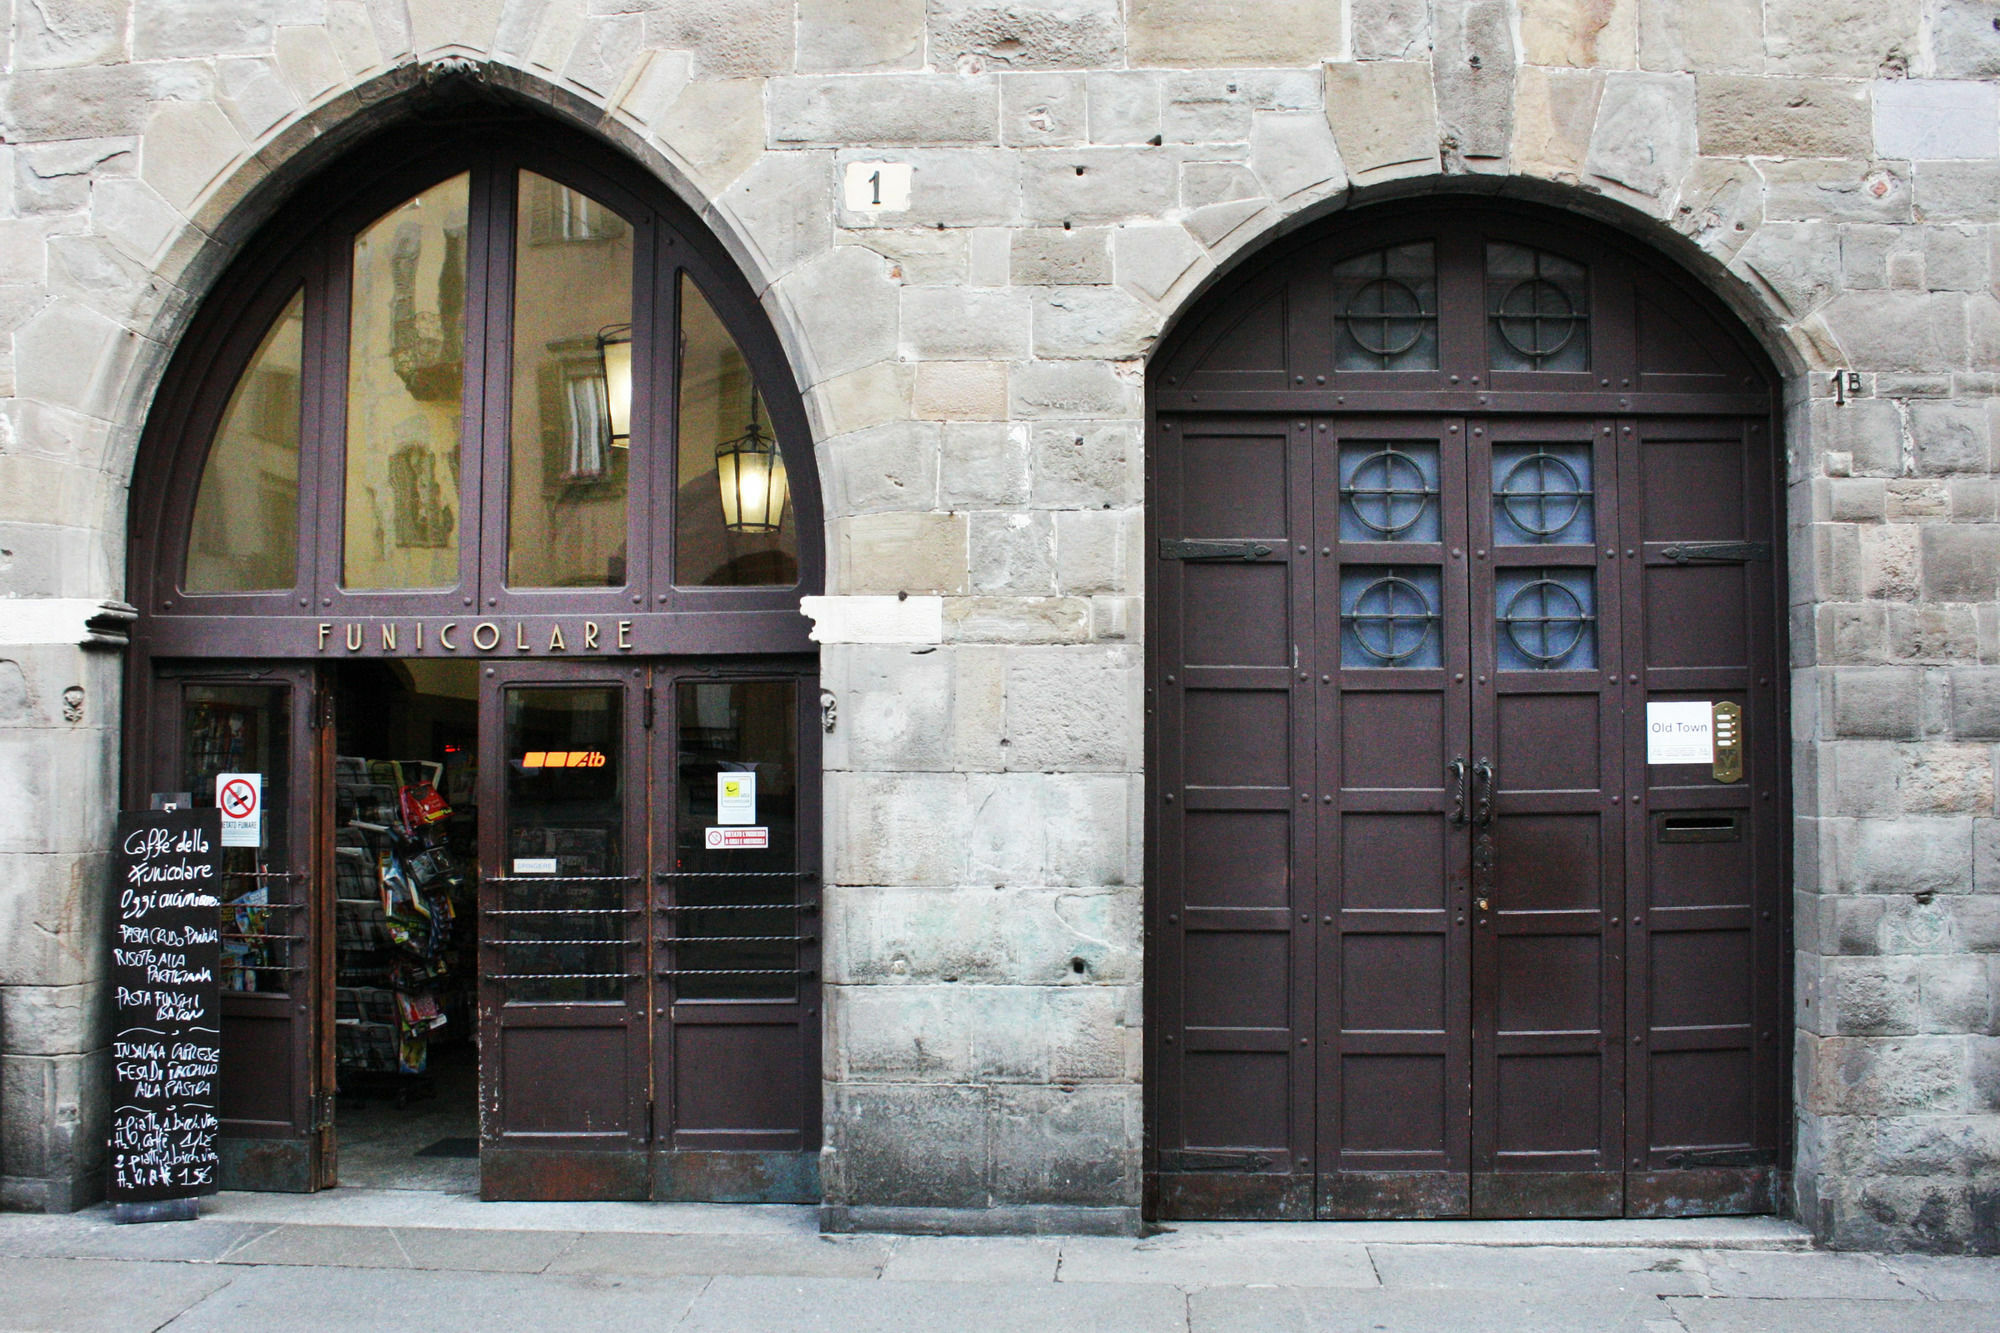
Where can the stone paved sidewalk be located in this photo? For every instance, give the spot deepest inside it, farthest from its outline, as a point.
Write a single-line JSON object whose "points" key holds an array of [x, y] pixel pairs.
{"points": [[373, 1260]]}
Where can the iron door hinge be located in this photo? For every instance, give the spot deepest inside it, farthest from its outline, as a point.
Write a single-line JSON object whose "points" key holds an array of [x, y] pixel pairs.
{"points": [[1717, 553], [1179, 548]]}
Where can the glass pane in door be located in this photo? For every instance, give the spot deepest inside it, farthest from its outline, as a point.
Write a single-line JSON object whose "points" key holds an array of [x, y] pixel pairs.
{"points": [[562, 916], [734, 887], [405, 382], [572, 391], [245, 729]]}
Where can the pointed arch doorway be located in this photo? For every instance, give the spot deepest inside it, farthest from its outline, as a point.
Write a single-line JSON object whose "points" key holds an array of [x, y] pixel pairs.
{"points": [[472, 521], [1450, 504]]}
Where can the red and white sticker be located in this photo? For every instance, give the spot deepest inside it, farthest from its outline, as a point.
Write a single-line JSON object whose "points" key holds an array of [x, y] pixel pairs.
{"points": [[738, 837], [240, 798]]}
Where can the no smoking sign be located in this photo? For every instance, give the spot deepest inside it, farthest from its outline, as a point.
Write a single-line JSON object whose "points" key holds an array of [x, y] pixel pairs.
{"points": [[240, 798]]}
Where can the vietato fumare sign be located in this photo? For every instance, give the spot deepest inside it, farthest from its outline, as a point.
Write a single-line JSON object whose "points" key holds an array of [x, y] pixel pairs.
{"points": [[166, 1043]]}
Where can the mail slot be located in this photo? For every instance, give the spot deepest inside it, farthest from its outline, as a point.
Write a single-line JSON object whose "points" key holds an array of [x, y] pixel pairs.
{"points": [[1715, 826]]}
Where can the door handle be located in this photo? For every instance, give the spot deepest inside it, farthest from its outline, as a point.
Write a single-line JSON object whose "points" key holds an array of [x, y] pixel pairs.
{"points": [[1457, 770], [1482, 793]]}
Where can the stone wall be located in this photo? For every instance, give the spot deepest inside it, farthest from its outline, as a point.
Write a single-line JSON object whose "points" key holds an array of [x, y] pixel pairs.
{"points": [[974, 371]]}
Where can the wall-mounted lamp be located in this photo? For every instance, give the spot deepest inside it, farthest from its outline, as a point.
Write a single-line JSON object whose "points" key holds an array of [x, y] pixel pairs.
{"points": [[751, 473], [614, 349]]}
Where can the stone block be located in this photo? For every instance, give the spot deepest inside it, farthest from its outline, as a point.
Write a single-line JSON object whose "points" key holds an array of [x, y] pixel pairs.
{"points": [[1836, 190], [1293, 153], [1123, 106], [1855, 499], [979, 704], [1064, 829], [1055, 256], [89, 103], [1799, 262], [896, 710], [1986, 856], [187, 146], [973, 35], [1852, 633], [1873, 1075], [916, 1033], [1645, 135], [728, 38], [1761, 117], [54, 1020], [1097, 184], [918, 256], [782, 204], [1975, 703], [914, 553], [862, 398], [1040, 390], [1961, 561], [961, 391], [1099, 550], [1555, 112], [1017, 619], [883, 828], [1952, 437], [914, 109], [983, 464], [846, 293], [715, 128], [1863, 775], [1086, 465], [1159, 261], [1958, 994], [1930, 118], [1845, 38], [1092, 322], [1013, 553], [1597, 36], [1066, 1145], [609, 44], [1868, 996], [1070, 710], [1710, 36], [1389, 29], [1900, 331], [1928, 632], [961, 323], [1882, 702], [857, 36], [951, 187], [913, 1146], [1975, 922], [1957, 258], [1216, 33], [61, 34], [1965, 44], [1472, 72], [1042, 110], [200, 29], [1962, 190], [1903, 856], [1870, 431]]}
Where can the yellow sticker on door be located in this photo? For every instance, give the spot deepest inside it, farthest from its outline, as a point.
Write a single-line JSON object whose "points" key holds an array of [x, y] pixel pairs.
{"points": [[735, 797]]}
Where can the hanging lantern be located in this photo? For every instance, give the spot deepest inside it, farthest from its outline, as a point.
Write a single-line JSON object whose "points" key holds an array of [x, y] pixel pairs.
{"points": [[751, 474], [614, 349]]}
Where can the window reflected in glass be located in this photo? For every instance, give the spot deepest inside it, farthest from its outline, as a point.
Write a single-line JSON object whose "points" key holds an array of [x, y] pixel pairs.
{"points": [[732, 520], [245, 536], [405, 382], [572, 343]]}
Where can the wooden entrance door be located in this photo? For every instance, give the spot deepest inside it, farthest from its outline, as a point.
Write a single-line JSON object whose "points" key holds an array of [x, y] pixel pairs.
{"points": [[1441, 508]]}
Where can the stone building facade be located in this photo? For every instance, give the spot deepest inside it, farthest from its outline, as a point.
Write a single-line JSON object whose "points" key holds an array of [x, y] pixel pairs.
{"points": [[975, 369]]}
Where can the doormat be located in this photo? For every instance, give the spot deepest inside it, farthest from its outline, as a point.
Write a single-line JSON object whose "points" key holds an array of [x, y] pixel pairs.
{"points": [[451, 1148]]}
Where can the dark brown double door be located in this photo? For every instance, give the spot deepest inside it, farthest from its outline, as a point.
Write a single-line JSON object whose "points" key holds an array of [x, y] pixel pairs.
{"points": [[1429, 935], [647, 999]]}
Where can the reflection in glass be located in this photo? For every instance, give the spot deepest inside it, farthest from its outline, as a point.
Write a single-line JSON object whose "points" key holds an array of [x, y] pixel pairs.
{"points": [[1538, 308], [1388, 492], [732, 911], [405, 376], [567, 470], [1541, 494], [1389, 616], [721, 412], [1547, 619], [564, 920], [245, 536], [1387, 309], [246, 729]]}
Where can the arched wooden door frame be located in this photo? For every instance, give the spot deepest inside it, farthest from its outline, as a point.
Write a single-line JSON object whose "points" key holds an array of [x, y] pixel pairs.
{"points": [[1286, 1076]]}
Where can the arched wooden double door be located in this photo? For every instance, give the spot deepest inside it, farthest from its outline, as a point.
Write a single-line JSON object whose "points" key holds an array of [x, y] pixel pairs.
{"points": [[1467, 799]]}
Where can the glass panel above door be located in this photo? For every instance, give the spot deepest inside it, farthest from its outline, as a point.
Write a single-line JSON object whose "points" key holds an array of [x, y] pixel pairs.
{"points": [[572, 391], [1542, 494], [733, 524], [1538, 308], [1386, 309], [245, 534], [405, 389]]}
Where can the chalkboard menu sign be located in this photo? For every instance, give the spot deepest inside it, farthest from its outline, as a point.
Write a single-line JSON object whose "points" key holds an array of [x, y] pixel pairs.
{"points": [[166, 1044]]}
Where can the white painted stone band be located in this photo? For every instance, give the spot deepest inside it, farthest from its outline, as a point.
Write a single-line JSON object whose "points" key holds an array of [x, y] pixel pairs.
{"points": [[28, 621], [875, 619]]}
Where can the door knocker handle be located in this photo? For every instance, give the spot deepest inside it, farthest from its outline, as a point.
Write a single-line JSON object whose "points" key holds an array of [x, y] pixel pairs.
{"points": [[1457, 770], [1482, 793]]}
